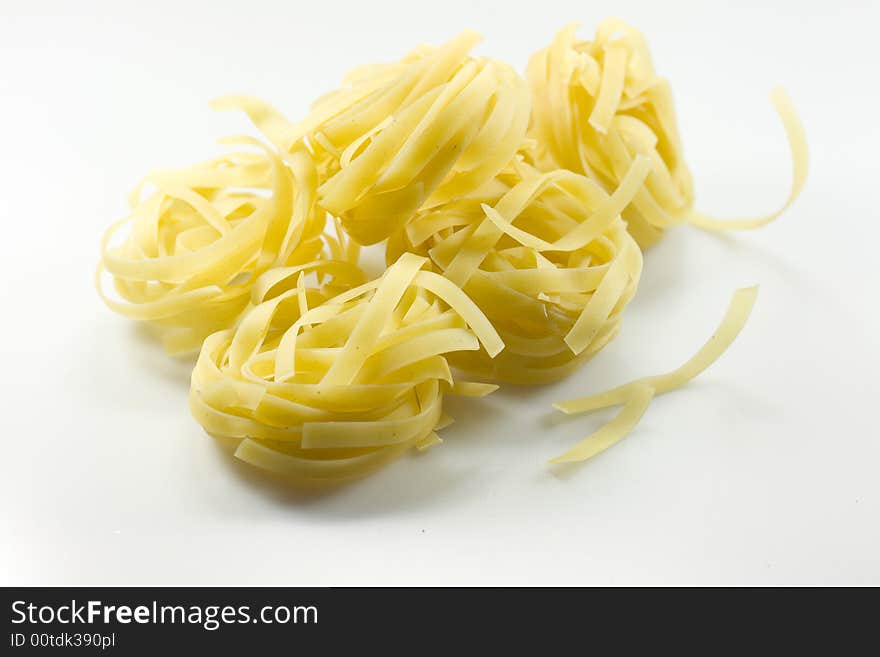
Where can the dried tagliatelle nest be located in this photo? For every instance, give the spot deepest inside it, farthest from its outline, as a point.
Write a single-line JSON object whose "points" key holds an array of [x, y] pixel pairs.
{"points": [[334, 390], [399, 137], [599, 104], [513, 213], [195, 246], [546, 256]]}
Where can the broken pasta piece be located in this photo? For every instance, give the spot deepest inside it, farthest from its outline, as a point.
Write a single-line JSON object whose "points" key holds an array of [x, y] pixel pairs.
{"points": [[331, 391], [397, 137], [545, 256], [637, 395], [195, 246], [599, 104]]}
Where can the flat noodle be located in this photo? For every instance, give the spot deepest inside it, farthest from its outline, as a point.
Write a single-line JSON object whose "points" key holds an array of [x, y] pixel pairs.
{"points": [[637, 395], [599, 104], [797, 142]]}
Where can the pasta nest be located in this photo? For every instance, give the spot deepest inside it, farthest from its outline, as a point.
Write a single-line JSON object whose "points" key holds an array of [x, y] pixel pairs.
{"points": [[547, 259], [194, 247], [396, 137], [327, 389], [597, 106]]}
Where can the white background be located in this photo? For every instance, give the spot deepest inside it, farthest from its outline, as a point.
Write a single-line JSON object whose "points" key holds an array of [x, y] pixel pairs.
{"points": [[764, 471]]}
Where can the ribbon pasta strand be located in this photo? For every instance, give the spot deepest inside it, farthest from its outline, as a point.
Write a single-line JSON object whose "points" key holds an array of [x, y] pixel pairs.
{"points": [[636, 396]]}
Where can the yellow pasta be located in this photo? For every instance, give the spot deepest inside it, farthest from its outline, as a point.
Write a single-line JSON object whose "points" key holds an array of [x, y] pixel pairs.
{"points": [[637, 395], [599, 104], [398, 137], [513, 217], [545, 256], [330, 391], [194, 247]]}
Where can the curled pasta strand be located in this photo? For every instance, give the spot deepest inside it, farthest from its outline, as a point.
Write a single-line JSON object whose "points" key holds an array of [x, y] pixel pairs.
{"points": [[797, 143]]}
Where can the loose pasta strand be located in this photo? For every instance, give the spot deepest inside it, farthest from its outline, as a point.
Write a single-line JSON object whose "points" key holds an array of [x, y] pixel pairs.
{"points": [[637, 395]]}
